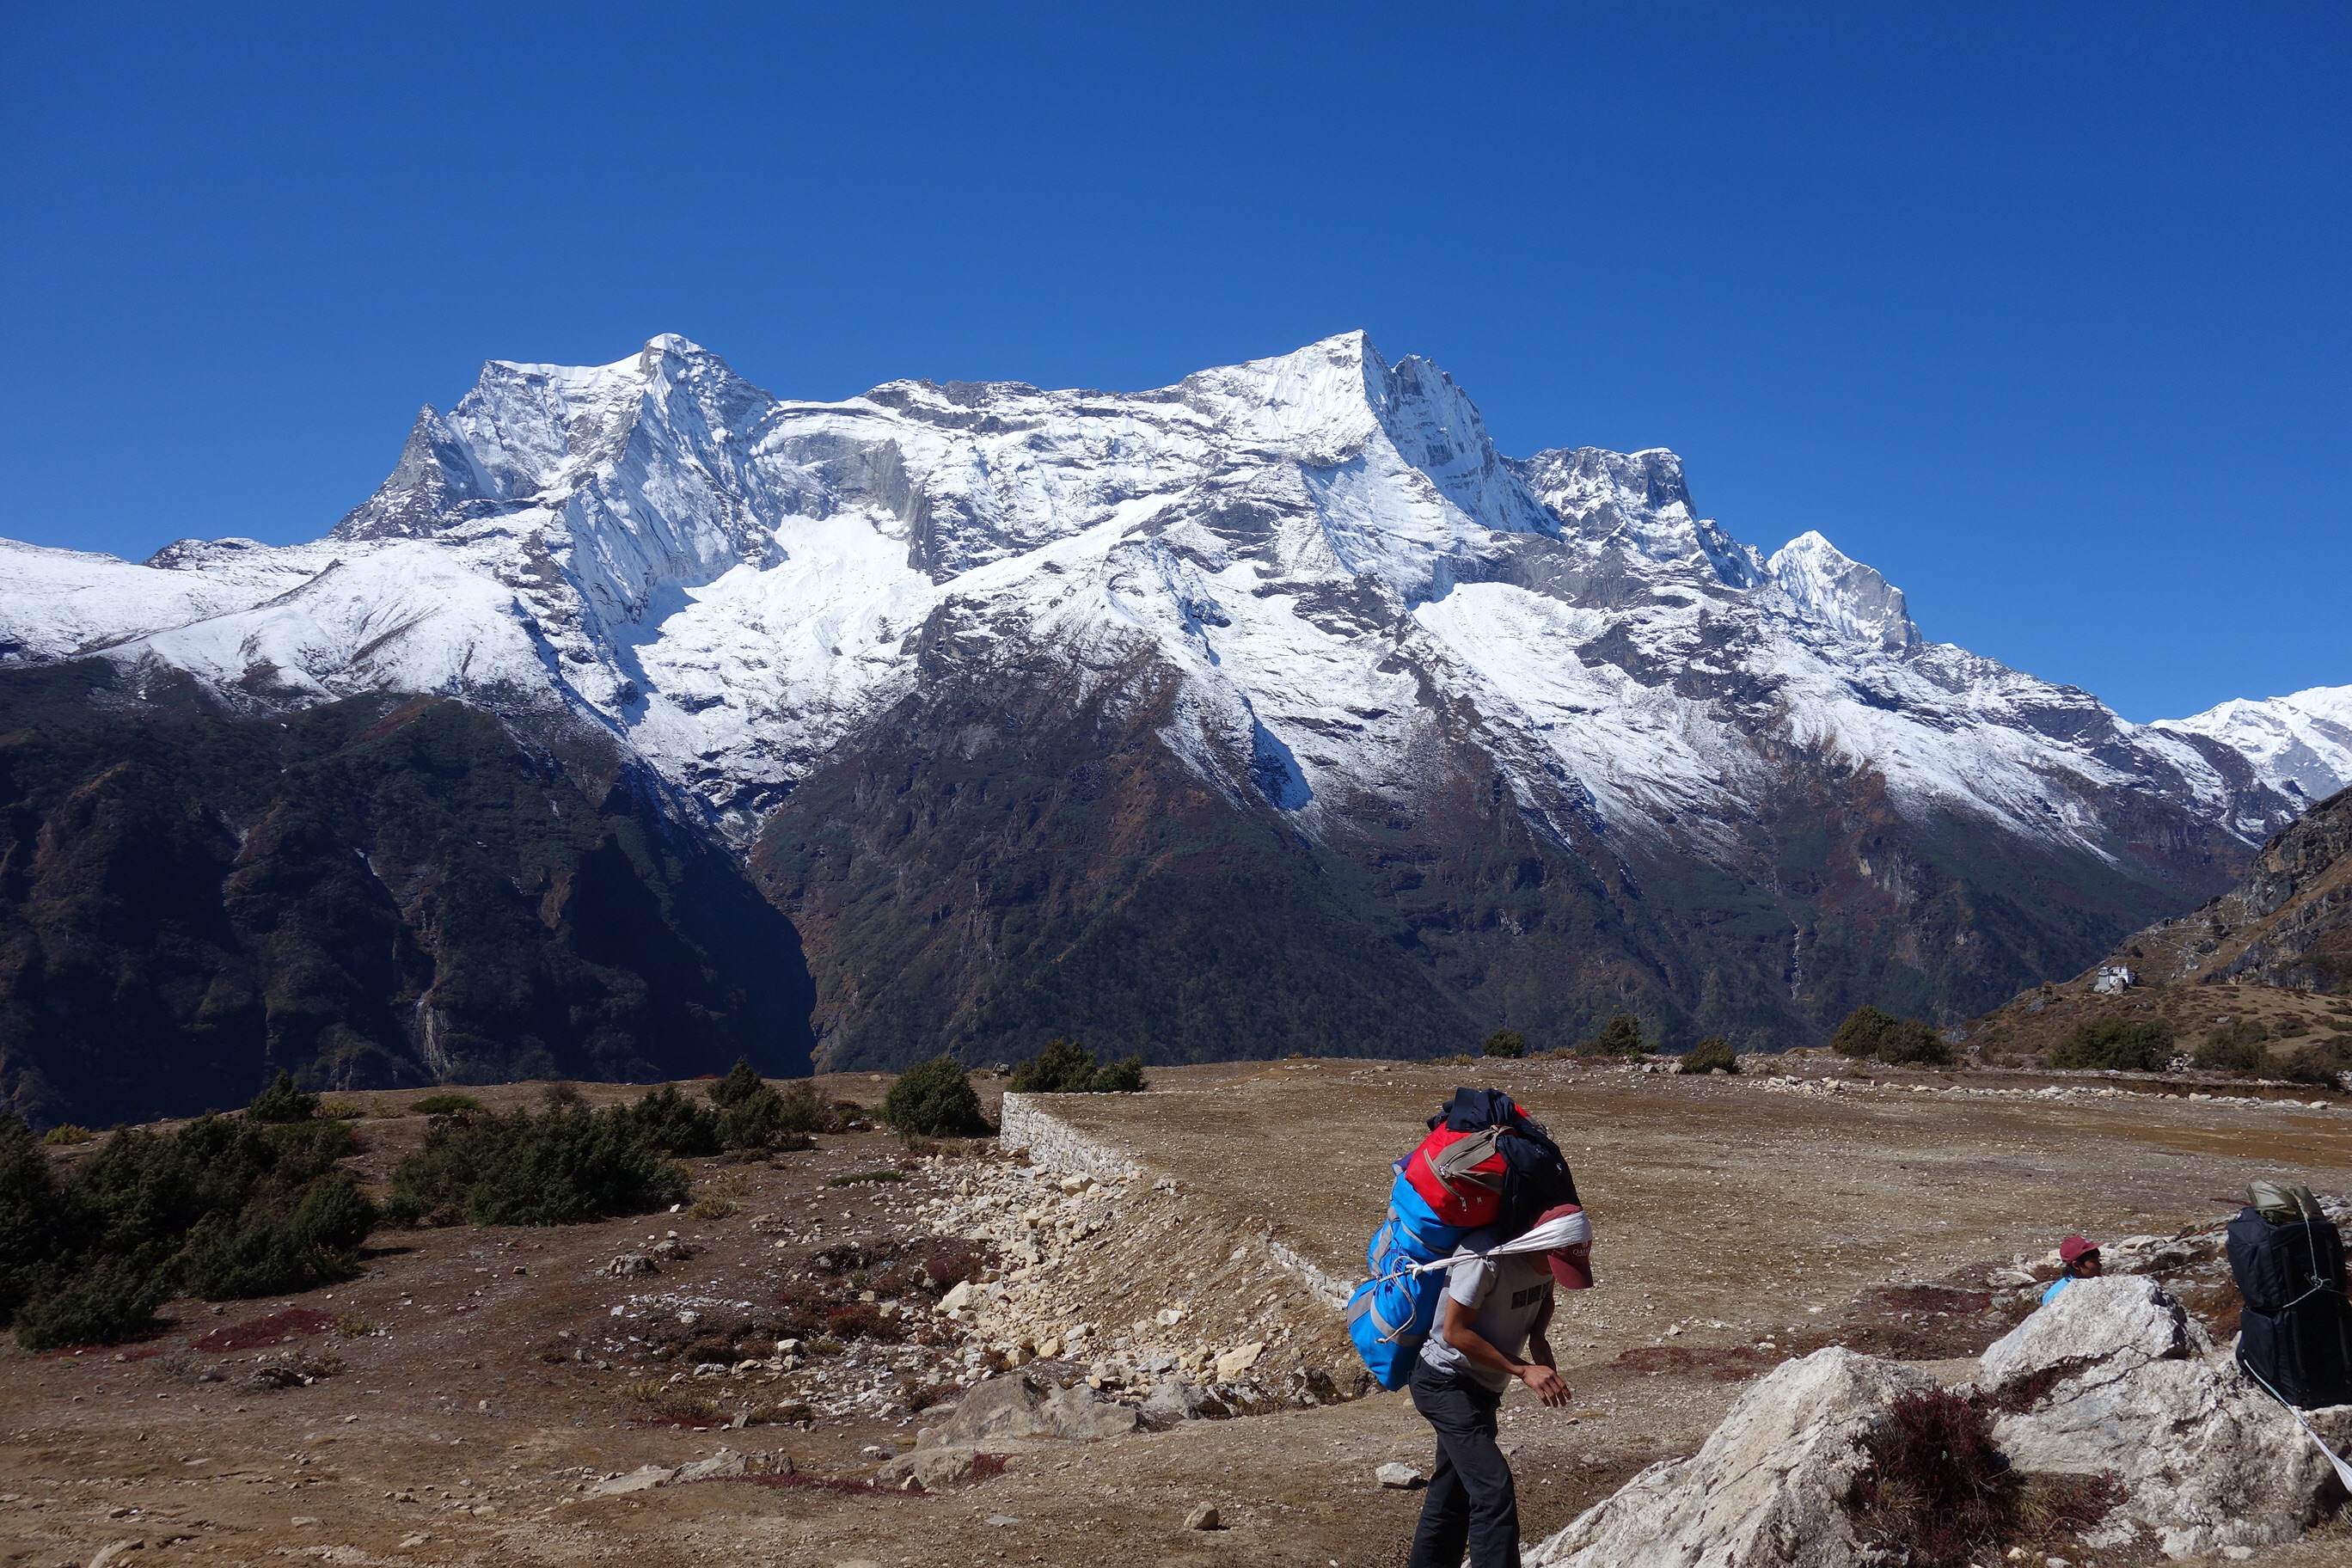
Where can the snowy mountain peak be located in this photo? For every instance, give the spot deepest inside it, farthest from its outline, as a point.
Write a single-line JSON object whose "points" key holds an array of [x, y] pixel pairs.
{"points": [[2300, 744], [1842, 595], [1638, 501]]}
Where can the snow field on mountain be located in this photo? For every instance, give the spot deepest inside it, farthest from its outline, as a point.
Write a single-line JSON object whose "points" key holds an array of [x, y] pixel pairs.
{"points": [[1315, 546]]}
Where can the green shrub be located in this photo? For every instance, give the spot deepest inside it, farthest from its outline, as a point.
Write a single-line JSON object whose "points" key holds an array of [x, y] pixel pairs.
{"points": [[1873, 1035], [558, 1167], [1064, 1067], [2229, 1049], [669, 1122], [1621, 1037], [104, 1303], [449, 1104], [751, 1112], [2317, 1063], [2113, 1045], [1507, 1043], [222, 1207], [28, 1213], [935, 1100], [804, 1110], [1710, 1055], [65, 1135], [281, 1101], [1120, 1077]]}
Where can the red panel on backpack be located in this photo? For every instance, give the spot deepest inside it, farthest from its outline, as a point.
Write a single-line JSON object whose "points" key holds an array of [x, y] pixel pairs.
{"points": [[1475, 1196]]}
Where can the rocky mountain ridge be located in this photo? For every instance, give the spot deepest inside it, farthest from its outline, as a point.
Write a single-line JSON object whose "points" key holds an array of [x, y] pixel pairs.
{"points": [[1275, 710]]}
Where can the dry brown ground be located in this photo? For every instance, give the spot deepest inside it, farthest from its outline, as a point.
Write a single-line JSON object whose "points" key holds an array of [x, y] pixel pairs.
{"points": [[1741, 1218]]}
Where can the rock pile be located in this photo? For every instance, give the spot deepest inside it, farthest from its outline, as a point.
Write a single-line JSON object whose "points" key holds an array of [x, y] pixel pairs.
{"points": [[1159, 1300]]}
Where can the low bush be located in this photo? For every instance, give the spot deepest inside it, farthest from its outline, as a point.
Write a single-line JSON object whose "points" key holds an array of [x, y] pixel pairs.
{"points": [[806, 1111], [751, 1114], [1064, 1067], [2230, 1050], [1873, 1035], [1933, 1485], [1713, 1054], [2113, 1045], [282, 1102], [1621, 1037], [223, 1207], [668, 1121], [1508, 1044], [448, 1105], [557, 1167], [65, 1135], [935, 1100], [2320, 1063]]}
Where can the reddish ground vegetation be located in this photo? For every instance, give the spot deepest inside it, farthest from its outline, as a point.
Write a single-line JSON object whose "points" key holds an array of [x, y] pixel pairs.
{"points": [[254, 1333]]}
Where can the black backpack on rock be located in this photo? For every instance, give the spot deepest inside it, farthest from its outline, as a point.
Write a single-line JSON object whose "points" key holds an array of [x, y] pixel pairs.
{"points": [[2295, 1329]]}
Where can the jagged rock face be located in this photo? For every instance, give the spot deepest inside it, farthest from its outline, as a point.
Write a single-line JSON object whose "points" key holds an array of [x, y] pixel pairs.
{"points": [[372, 892], [1768, 1487], [2115, 1377], [2288, 925], [1533, 736]]}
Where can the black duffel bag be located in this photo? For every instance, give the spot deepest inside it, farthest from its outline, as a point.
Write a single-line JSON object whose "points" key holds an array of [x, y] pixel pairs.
{"points": [[2295, 1328]]}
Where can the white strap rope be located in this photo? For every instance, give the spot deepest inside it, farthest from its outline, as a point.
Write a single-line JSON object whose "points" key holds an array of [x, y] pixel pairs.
{"points": [[1552, 1235]]}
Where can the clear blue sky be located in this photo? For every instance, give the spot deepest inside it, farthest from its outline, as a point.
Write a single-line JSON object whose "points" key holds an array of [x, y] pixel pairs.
{"points": [[2046, 311]]}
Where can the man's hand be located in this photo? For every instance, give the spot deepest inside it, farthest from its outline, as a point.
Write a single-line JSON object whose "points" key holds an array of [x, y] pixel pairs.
{"points": [[1545, 1383]]}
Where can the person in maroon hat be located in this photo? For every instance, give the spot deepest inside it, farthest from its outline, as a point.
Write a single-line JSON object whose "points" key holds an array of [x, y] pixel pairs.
{"points": [[1490, 1331], [2081, 1259]]}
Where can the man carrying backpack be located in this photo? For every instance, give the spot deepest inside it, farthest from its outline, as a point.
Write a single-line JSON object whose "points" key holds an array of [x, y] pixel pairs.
{"points": [[1490, 1330]]}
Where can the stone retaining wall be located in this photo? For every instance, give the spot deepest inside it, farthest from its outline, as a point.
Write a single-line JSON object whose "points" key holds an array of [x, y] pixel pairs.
{"points": [[1058, 1146]]}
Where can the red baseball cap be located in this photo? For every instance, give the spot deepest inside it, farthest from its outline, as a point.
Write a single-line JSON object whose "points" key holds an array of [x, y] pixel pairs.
{"points": [[1571, 1267], [2071, 1249]]}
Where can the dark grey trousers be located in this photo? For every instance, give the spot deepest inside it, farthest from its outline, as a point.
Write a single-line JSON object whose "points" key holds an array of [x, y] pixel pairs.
{"points": [[1471, 1499]]}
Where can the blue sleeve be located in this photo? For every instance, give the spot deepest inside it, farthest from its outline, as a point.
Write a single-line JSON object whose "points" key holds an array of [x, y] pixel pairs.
{"points": [[2055, 1286]]}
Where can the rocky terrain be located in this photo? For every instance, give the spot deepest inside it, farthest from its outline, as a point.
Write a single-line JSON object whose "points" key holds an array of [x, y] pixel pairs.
{"points": [[1136, 1330], [1272, 711], [2259, 971], [2288, 925]]}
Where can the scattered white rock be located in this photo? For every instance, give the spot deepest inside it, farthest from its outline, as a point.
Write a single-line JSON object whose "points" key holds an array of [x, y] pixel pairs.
{"points": [[930, 1469], [1239, 1360], [1202, 1517], [642, 1479], [1400, 1477], [727, 1462]]}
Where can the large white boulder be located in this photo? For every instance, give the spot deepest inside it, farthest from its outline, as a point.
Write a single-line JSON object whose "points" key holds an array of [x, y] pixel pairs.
{"points": [[1768, 1487], [2114, 1377]]}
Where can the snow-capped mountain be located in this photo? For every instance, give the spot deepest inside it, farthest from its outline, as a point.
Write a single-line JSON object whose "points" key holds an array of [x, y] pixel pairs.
{"points": [[1311, 592], [2299, 745]]}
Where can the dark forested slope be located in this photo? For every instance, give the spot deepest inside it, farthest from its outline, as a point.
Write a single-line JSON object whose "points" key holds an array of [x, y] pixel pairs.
{"points": [[371, 892]]}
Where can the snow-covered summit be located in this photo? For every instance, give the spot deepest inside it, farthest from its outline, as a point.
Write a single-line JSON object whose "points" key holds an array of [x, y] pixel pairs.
{"points": [[1322, 550], [2301, 743]]}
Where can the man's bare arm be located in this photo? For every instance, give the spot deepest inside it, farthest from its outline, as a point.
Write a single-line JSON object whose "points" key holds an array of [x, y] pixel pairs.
{"points": [[1538, 1375]]}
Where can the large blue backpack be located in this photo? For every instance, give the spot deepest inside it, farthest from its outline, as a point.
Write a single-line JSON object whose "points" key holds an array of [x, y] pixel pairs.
{"points": [[1391, 1313]]}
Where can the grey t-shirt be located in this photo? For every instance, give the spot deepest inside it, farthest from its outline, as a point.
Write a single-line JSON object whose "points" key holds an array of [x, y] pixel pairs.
{"points": [[1508, 1295]]}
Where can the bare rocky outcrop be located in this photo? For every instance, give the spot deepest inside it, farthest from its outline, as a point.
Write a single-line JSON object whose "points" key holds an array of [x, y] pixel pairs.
{"points": [[1768, 1487], [2112, 1378], [2115, 1377]]}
